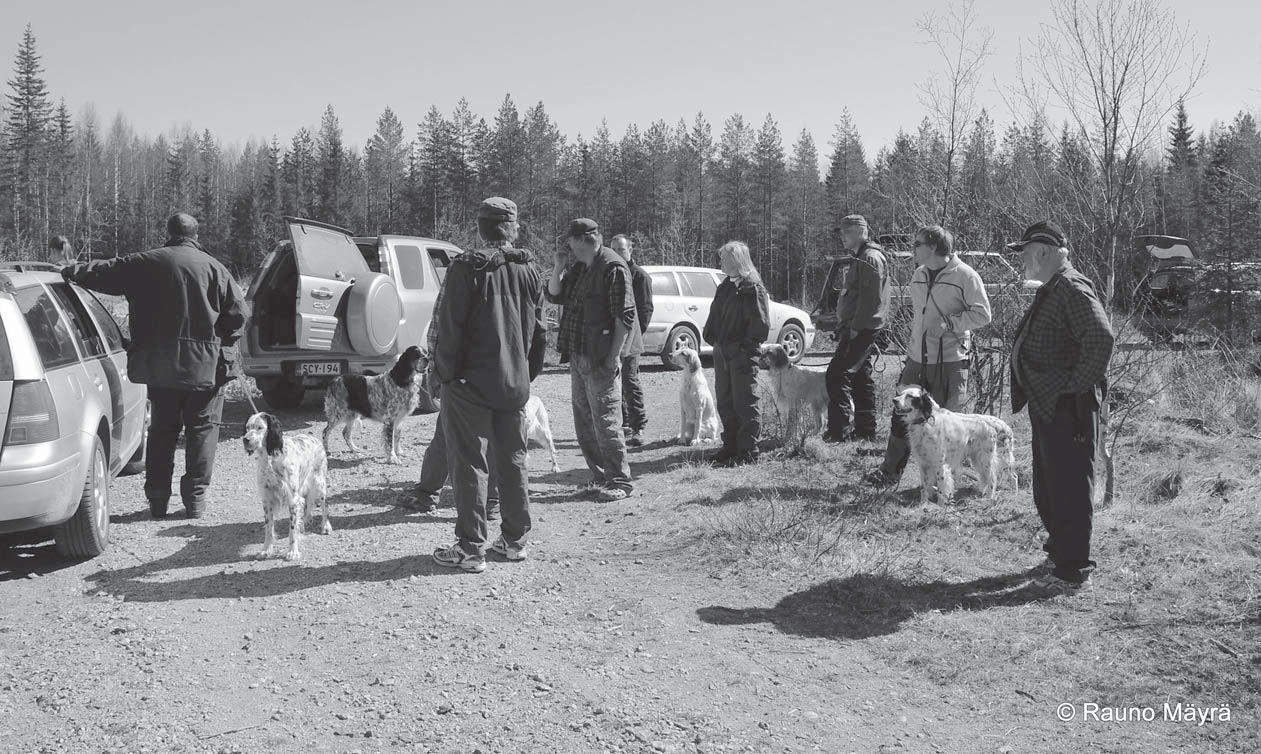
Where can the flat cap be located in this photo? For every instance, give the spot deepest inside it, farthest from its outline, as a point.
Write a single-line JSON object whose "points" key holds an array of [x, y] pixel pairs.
{"points": [[182, 225], [498, 209], [849, 220], [1043, 232], [582, 226]]}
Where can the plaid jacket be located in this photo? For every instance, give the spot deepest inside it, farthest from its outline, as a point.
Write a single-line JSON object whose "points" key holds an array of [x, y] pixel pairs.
{"points": [[1063, 345], [575, 287]]}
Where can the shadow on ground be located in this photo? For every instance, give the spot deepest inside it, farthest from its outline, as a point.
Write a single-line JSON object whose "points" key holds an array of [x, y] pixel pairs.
{"points": [[867, 605]]}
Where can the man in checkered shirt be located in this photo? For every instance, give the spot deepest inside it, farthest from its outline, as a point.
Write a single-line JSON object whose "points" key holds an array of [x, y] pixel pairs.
{"points": [[1059, 367]]}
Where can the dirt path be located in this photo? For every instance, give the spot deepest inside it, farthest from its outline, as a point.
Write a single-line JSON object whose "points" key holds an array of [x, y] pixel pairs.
{"points": [[613, 636]]}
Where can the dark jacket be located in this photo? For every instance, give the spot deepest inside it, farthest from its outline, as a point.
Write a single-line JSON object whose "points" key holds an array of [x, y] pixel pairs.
{"points": [[491, 326], [1062, 347], [186, 313], [857, 290], [598, 306], [740, 314], [641, 282]]}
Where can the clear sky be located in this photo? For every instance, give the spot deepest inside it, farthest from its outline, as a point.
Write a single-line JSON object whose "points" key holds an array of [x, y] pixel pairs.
{"points": [[250, 70]]}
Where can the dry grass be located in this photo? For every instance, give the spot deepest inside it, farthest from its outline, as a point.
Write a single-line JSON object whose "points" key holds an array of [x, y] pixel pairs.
{"points": [[1174, 612]]}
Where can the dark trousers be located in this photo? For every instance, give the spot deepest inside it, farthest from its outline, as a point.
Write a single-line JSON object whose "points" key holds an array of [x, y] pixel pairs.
{"points": [[851, 387], [471, 432], [1064, 482], [434, 469], [634, 419], [195, 412], [947, 383], [735, 392]]}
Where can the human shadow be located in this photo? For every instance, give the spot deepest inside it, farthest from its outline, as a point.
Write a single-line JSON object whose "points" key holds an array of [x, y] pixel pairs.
{"points": [[867, 605]]}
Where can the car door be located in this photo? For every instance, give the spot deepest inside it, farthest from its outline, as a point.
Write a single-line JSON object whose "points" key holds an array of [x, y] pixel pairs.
{"points": [[130, 425], [328, 264], [698, 288]]}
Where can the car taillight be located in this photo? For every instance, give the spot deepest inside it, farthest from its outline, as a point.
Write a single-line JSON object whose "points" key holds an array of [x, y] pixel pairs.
{"points": [[32, 415]]}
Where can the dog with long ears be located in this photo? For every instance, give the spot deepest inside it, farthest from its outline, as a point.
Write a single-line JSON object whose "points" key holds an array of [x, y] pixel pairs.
{"points": [[941, 440], [801, 395], [387, 398], [292, 479], [698, 420]]}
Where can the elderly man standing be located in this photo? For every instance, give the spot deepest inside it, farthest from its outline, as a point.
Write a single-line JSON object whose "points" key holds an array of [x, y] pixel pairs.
{"points": [[858, 292], [634, 418], [599, 326], [186, 314], [1059, 367], [949, 300], [491, 325]]}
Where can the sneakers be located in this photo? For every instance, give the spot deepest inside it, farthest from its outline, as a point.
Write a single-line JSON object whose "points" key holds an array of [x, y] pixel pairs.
{"points": [[157, 508], [878, 477], [591, 486], [422, 501], [455, 557], [609, 494], [1052, 585], [514, 551]]}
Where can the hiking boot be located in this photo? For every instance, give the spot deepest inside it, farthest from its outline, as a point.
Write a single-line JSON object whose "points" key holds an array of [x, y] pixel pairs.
{"points": [[194, 508], [421, 501], [455, 557], [157, 509], [514, 551]]}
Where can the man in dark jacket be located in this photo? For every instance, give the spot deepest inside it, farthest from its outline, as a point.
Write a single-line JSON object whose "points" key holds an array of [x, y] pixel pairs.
{"points": [[858, 292], [598, 327], [634, 418], [490, 346], [186, 314]]}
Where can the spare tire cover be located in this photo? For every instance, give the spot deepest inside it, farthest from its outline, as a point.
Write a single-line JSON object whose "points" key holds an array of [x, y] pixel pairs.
{"points": [[373, 314]]}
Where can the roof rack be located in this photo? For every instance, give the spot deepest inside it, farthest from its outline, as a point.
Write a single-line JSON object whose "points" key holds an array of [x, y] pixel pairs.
{"points": [[30, 266]]}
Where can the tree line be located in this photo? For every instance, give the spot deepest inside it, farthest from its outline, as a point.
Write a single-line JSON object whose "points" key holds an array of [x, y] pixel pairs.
{"points": [[679, 189]]}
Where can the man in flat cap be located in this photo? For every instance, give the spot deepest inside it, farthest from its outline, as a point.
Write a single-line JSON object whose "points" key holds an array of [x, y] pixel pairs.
{"points": [[1059, 367], [489, 348], [858, 292], [599, 326], [186, 314]]}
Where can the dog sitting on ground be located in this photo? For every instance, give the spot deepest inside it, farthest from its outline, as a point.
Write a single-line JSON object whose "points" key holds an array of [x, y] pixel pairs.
{"points": [[698, 412], [538, 429], [387, 398], [801, 395], [941, 440], [292, 478]]}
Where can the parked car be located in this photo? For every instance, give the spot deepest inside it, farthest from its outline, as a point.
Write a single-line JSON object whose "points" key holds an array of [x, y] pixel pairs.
{"points": [[1183, 296], [681, 298], [72, 420], [327, 303]]}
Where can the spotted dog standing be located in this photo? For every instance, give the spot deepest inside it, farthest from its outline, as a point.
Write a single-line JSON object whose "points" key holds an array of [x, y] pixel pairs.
{"points": [[292, 477], [387, 398]]}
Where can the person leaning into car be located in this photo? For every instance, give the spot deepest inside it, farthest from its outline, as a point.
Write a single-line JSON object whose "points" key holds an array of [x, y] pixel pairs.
{"points": [[597, 328], [1059, 368], [739, 321], [186, 315], [948, 300], [860, 298]]}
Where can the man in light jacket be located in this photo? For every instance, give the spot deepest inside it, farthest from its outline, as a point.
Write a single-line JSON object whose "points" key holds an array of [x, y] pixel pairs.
{"points": [[949, 301]]}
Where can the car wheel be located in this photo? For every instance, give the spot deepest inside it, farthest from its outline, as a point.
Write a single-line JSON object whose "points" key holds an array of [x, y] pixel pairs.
{"points": [[283, 394], [793, 339], [135, 464], [86, 534], [681, 336]]}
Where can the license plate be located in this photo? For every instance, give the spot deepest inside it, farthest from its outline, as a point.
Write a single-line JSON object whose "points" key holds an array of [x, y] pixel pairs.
{"points": [[317, 368]]}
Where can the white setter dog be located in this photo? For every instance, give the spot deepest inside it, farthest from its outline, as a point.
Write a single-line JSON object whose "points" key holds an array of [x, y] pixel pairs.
{"points": [[801, 395], [538, 428], [941, 440], [388, 398], [292, 478], [698, 421]]}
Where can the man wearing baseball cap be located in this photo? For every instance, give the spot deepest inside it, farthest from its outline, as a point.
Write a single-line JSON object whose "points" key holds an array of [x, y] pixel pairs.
{"points": [[1059, 368]]}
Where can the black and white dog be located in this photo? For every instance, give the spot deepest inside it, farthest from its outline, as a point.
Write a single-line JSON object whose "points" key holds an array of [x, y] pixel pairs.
{"points": [[388, 398]]}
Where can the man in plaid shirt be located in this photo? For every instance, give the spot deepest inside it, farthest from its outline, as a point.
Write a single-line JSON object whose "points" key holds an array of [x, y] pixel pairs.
{"points": [[1059, 367], [598, 327]]}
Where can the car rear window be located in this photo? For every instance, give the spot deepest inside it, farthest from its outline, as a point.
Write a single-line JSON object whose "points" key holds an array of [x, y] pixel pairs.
{"points": [[49, 329], [664, 284]]}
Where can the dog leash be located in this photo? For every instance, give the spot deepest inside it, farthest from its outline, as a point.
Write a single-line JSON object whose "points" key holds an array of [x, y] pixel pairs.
{"points": [[245, 387]]}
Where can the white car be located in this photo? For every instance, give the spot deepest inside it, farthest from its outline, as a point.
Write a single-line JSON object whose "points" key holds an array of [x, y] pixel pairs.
{"points": [[681, 297]]}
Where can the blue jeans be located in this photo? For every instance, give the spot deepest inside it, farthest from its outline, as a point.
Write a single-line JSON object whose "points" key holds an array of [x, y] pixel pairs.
{"points": [[596, 397]]}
